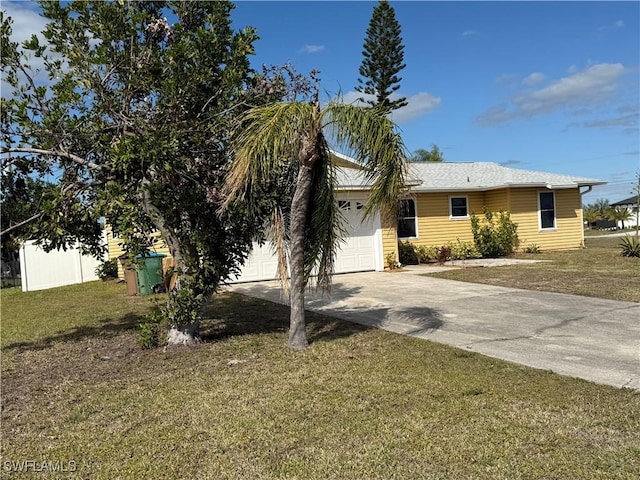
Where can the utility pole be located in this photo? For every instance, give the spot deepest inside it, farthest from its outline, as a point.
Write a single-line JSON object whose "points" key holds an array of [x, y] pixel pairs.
{"points": [[637, 189]]}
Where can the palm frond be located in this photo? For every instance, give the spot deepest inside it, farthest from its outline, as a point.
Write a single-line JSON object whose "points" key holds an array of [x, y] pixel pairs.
{"points": [[324, 230], [267, 138], [371, 138], [279, 238]]}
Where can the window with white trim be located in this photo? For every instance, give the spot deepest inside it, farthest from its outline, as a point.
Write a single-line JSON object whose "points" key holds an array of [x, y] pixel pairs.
{"points": [[407, 219], [547, 210], [458, 207]]}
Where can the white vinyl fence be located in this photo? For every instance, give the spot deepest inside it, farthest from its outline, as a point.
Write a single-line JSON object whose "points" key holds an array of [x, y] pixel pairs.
{"points": [[41, 270]]}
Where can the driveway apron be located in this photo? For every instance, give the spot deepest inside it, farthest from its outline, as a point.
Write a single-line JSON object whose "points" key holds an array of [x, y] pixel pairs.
{"points": [[590, 338]]}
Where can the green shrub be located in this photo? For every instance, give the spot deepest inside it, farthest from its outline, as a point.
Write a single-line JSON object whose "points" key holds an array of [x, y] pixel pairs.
{"points": [[107, 269], [531, 248], [407, 253], [463, 250], [494, 235], [630, 246], [152, 330], [426, 254]]}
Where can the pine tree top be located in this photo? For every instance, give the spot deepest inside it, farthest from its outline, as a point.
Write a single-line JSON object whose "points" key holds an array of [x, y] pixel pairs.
{"points": [[383, 53]]}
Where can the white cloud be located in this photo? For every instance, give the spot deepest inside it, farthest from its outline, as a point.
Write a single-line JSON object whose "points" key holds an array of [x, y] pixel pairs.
{"points": [[591, 86], [468, 33], [357, 98], [614, 26], [626, 117], [534, 78], [630, 120], [26, 21], [418, 104], [311, 49]]}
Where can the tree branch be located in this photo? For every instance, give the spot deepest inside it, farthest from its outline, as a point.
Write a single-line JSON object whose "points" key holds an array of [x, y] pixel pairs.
{"points": [[57, 153], [18, 225]]}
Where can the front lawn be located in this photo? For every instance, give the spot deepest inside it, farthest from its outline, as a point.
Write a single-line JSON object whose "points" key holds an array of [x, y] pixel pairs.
{"points": [[359, 403], [596, 271]]}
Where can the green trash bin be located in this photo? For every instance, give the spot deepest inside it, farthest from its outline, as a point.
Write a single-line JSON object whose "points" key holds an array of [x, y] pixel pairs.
{"points": [[149, 269]]}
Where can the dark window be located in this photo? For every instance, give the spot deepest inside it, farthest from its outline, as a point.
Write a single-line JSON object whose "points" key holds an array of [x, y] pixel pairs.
{"points": [[547, 210], [344, 205], [407, 219], [459, 207]]}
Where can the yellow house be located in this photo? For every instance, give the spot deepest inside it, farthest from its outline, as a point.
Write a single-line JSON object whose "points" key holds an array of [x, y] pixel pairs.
{"points": [[547, 208]]}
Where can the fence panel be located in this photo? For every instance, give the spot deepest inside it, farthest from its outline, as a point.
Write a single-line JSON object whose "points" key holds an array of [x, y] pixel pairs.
{"points": [[41, 270]]}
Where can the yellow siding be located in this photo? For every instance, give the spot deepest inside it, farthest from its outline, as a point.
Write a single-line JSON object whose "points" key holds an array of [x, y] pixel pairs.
{"points": [[115, 248], [435, 227], [496, 200], [569, 230], [389, 240]]}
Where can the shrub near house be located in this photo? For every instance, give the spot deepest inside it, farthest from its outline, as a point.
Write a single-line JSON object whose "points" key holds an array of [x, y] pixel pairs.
{"points": [[494, 235]]}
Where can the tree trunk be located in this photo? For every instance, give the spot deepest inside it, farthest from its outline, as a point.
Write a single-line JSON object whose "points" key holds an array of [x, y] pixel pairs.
{"points": [[187, 335], [299, 208], [179, 333]]}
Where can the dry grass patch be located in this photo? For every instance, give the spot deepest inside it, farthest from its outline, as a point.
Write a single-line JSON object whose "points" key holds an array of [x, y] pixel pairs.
{"points": [[596, 271], [359, 403]]}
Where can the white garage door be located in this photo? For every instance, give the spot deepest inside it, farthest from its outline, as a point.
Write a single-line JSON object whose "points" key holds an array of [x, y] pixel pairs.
{"points": [[262, 264], [356, 253]]}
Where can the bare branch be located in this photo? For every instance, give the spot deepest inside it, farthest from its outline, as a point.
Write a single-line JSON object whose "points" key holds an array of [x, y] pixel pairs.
{"points": [[57, 153], [18, 225]]}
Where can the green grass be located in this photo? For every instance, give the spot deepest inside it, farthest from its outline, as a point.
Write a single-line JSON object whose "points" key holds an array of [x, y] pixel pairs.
{"points": [[360, 403], [596, 271]]}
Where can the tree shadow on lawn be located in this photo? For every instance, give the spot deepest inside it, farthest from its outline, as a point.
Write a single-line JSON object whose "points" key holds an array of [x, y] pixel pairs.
{"points": [[109, 328], [259, 308], [236, 314], [343, 314]]}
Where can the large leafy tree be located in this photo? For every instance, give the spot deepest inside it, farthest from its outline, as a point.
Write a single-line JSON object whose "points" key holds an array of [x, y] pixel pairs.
{"points": [[383, 59], [287, 143], [427, 156], [133, 124], [22, 200], [601, 206]]}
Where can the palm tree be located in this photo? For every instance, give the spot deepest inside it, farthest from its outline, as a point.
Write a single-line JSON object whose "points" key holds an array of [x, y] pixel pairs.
{"points": [[590, 215], [287, 140], [619, 214]]}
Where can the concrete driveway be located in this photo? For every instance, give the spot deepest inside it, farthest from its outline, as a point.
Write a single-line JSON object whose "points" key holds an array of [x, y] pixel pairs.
{"points": [[589, 338]]}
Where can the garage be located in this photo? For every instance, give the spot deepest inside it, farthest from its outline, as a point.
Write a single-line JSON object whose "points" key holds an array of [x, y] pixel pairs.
{"points": [[360, 251]]}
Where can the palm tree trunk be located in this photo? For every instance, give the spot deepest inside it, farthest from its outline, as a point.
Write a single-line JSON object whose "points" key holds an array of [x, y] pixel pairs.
{"points": [[299, 207]]}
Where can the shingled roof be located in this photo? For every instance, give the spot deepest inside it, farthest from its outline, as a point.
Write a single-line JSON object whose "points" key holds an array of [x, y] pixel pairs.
{"points": [[478, 176], [627, 201]]}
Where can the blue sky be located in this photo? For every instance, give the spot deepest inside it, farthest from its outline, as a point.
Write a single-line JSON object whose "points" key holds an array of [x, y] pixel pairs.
{"points": [[550, 86]]}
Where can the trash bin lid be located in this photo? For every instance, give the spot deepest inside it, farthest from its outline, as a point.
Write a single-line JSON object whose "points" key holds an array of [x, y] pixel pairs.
{"points": [[150, 255]]}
